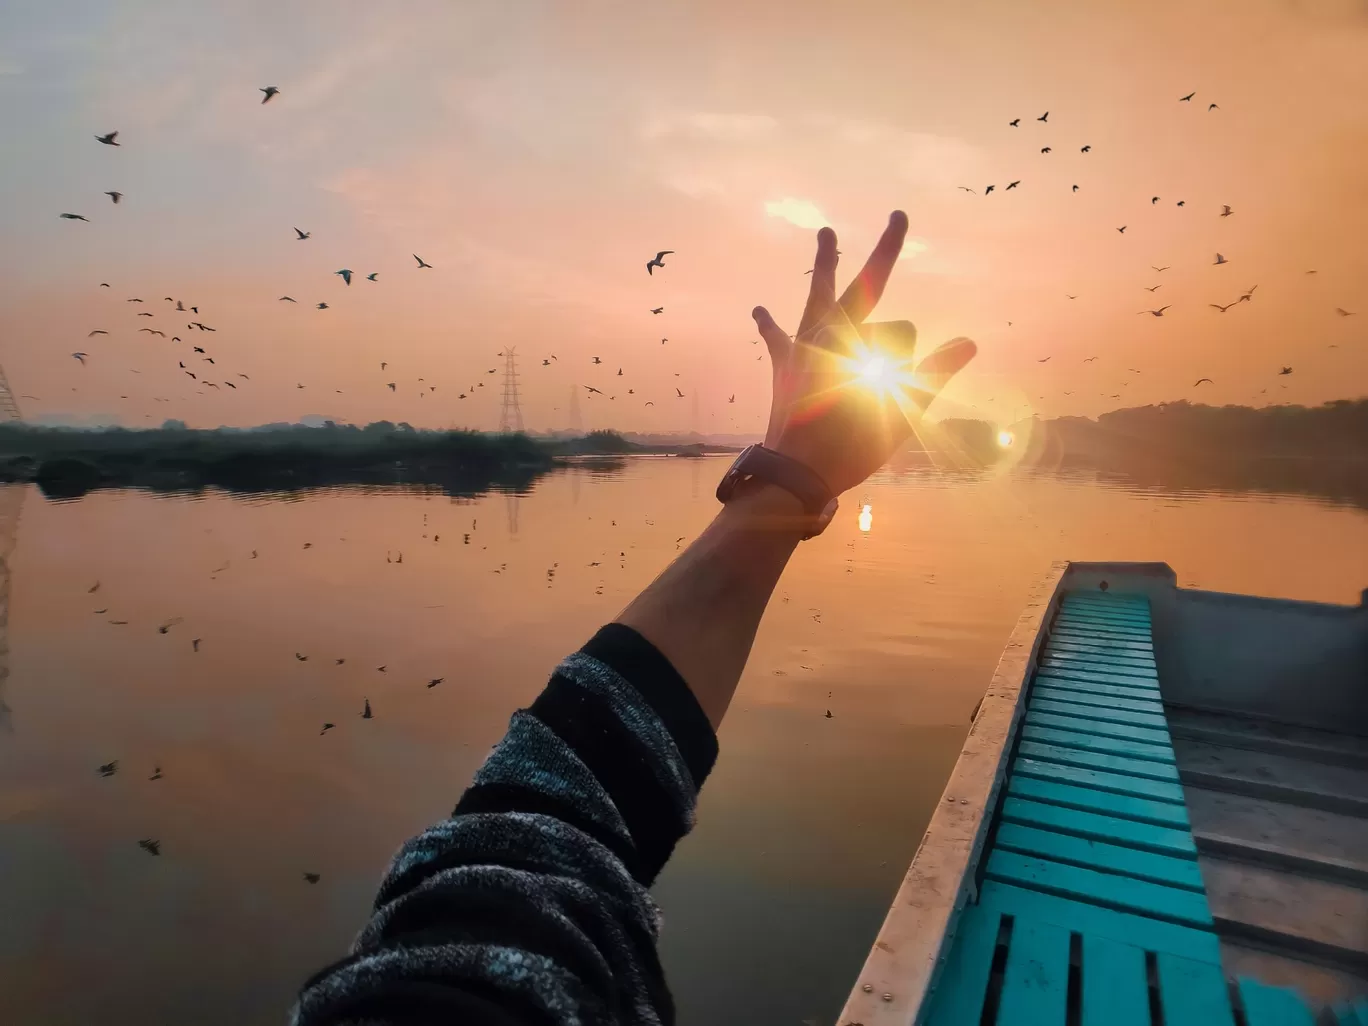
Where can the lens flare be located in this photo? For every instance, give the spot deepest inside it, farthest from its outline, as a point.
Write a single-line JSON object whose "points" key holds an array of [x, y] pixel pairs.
{"points": [[1005, 439], [866, 518]]}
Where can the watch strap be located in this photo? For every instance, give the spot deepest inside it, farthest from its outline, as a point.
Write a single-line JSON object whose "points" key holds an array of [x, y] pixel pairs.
{"points": [[756, 462]]}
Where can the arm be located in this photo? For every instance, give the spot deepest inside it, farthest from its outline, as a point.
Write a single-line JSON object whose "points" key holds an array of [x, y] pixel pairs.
{"points": [[529, 905]]}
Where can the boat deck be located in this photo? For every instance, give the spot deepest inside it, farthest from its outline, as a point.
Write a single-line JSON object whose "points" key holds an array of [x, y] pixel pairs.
{"points": [[1125, 883]]}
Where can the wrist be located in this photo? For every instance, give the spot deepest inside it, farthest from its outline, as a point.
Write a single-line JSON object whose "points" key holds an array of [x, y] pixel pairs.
{"points": [[766, 509]]}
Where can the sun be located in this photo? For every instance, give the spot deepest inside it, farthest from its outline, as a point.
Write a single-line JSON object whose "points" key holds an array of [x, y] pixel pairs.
{"points": [[1005, 439], [875, 372]]}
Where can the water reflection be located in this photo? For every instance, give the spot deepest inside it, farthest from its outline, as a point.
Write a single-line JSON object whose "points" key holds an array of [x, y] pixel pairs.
{"points": [[804, 830]]}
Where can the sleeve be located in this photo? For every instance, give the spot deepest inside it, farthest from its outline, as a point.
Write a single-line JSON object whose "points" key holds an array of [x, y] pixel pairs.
{"points": [[529, 906]]}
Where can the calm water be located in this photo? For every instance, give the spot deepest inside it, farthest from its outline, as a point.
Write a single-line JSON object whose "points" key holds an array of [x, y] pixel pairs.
{"points": [[805, 827]]}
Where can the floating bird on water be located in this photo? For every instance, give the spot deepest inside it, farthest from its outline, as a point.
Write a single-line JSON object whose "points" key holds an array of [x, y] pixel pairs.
{"points": [[74, 217], [312, 878], [421, 262], [109, 768], [150, 845], [114, 194], [108, 140], [1187, 98], [1156, 313], [1200, 380], [80, 358], [269, 91], [1223, 309], [658, 261], [1226, 211], [366, 713], [302, 235], [346, 274]]}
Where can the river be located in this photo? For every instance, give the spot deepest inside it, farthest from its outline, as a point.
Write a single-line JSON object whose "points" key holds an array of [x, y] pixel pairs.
{"points": [[804, 829]]}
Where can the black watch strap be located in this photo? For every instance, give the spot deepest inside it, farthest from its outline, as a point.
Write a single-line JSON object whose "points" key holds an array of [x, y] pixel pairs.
{"points": [[758, 463]]}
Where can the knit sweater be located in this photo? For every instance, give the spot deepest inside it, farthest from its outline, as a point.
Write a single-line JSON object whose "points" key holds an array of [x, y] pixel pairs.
{"points": [[529, 905]]}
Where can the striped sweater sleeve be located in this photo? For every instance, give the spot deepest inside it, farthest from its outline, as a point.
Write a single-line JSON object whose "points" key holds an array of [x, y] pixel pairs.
{"points": [[529, 906]]}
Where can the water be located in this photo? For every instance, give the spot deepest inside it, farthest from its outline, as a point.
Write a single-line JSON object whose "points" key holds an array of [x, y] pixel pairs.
{"points": [[805, 827]]}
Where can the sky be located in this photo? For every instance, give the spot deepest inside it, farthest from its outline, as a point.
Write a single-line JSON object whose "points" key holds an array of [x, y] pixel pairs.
{"points": [[537, 154]]}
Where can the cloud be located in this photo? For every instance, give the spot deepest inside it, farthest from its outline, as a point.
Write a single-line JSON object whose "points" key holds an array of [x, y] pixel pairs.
{"points": [[710, 125], [801, 212], [8, 66], [913, 246]]}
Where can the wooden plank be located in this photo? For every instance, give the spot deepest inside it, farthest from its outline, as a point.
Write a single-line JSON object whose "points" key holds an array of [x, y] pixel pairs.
{"points": [[1035, 982], [1113, 608], [1099, 713], [1117, 598], [1131, 702], [1141, 646], [1100, 780], [1102, 629], [1261, 735], [1314, 785], [1088, 687], [1144, 735], [1059, 648], [1277, 856], [1101, 677], [1093, 920], [1162, 754], [1273, 1006], [1099, 664], [1193, 993], [1135, 623], [1099, 855], [1115, 988], [1097, 760], [963, 982], [1099, 827], [1306, 833], [1072, 796]]}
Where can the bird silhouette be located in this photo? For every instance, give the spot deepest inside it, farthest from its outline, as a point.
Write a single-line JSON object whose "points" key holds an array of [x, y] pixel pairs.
{"points": [[1200, 380], [326, 727], [109, 140], [1223, 309], [1086, 149], [1045, 149], [270, 91], [1154, 200], [1187, 98], [964, 187], [322, 306], [421, 262], [678, 392], [1123, 228], [1012, 185], [1248, 296], [156, 773], [1226, 211], [114, 194], [597, 359], [80, 358], [302, 235], [372, 276], [366, 713], [619, 373], [658, 261], [287, 299], [159, 334], [1154, 288], [828, 714], [312, 878], [1014, 122], [1156, 313], [731, 399], [657, 309], [195, 643], [1220, 260], [1044, 117], [1285, 370], [109, 768], [435, 681], [989, 189], [346, 274], [1159, 269], [97, 331], [145, 315], [301, 658], [74, 217], [1343, 312], [1212, 106], [150, 845], [197, 349], [593, 390], [1090, 359]]}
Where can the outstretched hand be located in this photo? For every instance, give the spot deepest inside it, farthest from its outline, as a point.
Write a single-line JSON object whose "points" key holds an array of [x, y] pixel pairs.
{"points": [[846, 392]]}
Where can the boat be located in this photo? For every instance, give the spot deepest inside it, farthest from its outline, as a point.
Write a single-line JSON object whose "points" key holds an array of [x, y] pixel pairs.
{"points": [[1159, 816]]}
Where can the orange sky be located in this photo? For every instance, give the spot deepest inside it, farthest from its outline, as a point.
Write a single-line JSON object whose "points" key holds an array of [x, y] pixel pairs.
{"points": [[537, 154]]}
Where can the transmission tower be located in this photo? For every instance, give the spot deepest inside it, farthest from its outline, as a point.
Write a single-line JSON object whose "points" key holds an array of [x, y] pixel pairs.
{"points": [[510, 414], [9, 406]]}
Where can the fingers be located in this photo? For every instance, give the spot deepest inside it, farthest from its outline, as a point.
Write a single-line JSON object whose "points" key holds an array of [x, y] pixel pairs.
{"points": [[859, 299], [822, 293], [781, 353], [896, 338], [937, 369], [776, 341]]}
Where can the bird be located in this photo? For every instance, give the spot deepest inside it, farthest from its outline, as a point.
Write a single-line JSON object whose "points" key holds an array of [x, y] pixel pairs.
{"points": [[1075, 188], [619, 373], [1223, 309], [658, 261], [1012, 185], [156, 773], [1086, 149], [1156, 313], [322, 306], [1188, 97], [391, 385], [159, 334], [1212, 106], [1067, 296], [598, 360], [312, 878], [74, 217], [197, 349], [372, 276], [964, 187], [150, 845], [109, 768], [1090, 359], [287, 299], [302, 235], [435, 681], [366, 713], [731, 399], [144, 314], [383, 364], [326, 727], [1220, 260], [657, 309], [678, 392], [114, 194], [828, 714], [1045, 149], [1155, 288], [1159, 269], [80, 358], [593, 390], [346, 274], [1045, 360], [650, 404], [269, 91], [663, 341], [1122, 229], [421, 262], [97, 331], [1044, 116], [1154, 200], [1248, 296], [108, 140], [1285, 370], [301, 658], [195, 643], [1014, 122], [1226, 211], [1343, 312], [1200, 380], [989, 189]]}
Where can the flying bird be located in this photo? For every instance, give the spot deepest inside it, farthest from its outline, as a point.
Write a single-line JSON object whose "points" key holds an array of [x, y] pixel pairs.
{"points": [[74, 217], [302, 235], [1223, 309], [421, 262], [372, 276], [1014, 122], [80, 358], [1182, 203], [1045, 149], [1090, 359], [1187, 98], [658, 261], [1075, 188], [346, 274], [1154, 200], [322, 306], [109, 768], [114, 194], [287, 299], [678, 392], [1200, 380], [1285, 370], [435, 681], [144, 314], [108, 140], [964, 187], [1343, 312], [366, 713], [1012, 185], [1156, 313], [731, 399], [1155, 288], [657, 309], [154, 331], [1122, 229], [97, 331], [1220, 260], [150, 845], [1045, 360], [269, 91], [989, 189], [326, 727], [1086, 149], [390, 385], [593, 389], [1226, 211], [312, 878], [1248, 296], [1044, 116], [1159, 269], [1212, 106], [301, 658]]}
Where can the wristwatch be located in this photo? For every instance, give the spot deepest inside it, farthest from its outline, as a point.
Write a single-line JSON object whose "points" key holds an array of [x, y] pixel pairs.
{"points": [[756, 463]]}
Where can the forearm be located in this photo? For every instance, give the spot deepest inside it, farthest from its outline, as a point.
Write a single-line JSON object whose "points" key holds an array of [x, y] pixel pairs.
{"points": [[703, 611]]}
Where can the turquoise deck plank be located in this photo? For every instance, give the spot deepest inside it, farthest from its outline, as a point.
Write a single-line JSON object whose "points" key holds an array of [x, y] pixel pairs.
{"points": [[1133, 702], [1061, 646], [1101, 713], [1099, 855], [1101, 691], [1115, 989], [1129, 623], [1098, 826], [1092, 920], [1100, 780], [1273, 1006], [1161, 754], [1158, 737], [1103, 627], [1095, 677], [1098, 760], [1098, 664], [1124, 615], [1107, 803], [964, 980], [1345, 1015], [1035, 981], [1114, 597], [1193, 993], [1106, 890], [1141, 646]]}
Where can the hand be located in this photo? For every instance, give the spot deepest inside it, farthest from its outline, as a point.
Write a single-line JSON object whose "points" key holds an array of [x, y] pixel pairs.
{"points": [[846, 393]]}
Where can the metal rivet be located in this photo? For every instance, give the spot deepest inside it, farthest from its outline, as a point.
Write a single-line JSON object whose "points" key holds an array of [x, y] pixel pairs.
{"points": [[949, 800], [888, 997], [868, 988], [964, 801]]}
